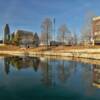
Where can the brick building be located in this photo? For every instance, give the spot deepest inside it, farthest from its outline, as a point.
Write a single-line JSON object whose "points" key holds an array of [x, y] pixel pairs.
{"points": [[96, 29]]}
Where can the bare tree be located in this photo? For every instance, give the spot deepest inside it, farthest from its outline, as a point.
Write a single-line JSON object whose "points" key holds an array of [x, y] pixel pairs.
{"points": [[86, 32], [64, 35], [46, 34], [74, 39]]}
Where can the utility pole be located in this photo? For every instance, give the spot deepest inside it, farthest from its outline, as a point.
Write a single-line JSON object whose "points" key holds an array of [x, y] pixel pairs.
{"points": [[54, 28]]}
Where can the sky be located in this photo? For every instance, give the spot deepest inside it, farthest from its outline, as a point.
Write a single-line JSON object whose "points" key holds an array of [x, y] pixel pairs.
{"points": [[29, 14]]}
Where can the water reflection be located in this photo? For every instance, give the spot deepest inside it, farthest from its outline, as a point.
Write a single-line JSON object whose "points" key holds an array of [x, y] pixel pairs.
{"points": [[49, 68], [64, 77], [53, 70], [46, 72], [21, 63], [7, 65], [96, 76], [65, 70]]}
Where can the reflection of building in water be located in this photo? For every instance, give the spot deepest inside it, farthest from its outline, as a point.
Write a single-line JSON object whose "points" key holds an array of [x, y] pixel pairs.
{"points": [[21, 63], [51, 70], [96, 75]]}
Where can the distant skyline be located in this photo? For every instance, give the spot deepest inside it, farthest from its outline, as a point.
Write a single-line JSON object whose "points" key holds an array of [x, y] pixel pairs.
{"points": [[29, 14]]}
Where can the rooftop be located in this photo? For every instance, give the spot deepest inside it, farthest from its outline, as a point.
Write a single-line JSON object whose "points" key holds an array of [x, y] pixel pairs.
{"points": [[25, 34], [96, 18]]}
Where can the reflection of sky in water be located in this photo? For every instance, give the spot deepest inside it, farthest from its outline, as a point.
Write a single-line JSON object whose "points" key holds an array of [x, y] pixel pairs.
{"points": [[51, 78]]}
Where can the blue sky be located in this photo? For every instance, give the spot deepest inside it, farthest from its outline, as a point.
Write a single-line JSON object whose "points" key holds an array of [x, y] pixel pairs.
{"points": [[28, 14]]}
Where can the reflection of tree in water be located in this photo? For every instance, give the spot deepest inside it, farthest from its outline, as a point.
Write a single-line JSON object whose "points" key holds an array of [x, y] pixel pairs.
{"points": [[96, 76], [35, 63], [7, 65], [63, 71], [86, 78], [46, 72], [86, 73], [66, 69], [21, 63]]}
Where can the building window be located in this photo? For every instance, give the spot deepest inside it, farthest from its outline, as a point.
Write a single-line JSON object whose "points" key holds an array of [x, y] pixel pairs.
{"points": [[97, 27]]}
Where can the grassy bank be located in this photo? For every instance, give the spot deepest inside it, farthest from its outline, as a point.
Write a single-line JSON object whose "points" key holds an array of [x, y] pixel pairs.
{"points": [[63, 51]]}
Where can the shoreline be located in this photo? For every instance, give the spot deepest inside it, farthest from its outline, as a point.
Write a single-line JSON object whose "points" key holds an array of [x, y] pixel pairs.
{"points": [[74, 53], [91, 56]]}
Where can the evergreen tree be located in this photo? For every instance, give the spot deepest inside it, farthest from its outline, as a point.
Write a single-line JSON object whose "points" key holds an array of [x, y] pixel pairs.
{"points": [[12, 36], [36, 40], [6, 34]]}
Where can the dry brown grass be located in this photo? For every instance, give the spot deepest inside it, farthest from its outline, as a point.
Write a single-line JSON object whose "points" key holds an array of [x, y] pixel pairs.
{"points": [[8, 47], [44, 48]]}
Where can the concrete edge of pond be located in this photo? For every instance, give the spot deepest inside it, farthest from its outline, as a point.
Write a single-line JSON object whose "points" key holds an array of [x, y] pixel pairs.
{"points": [[50, 53]]}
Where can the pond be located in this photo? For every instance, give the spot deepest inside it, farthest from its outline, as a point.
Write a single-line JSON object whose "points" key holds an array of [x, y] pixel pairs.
{"points": [[39, 78]]}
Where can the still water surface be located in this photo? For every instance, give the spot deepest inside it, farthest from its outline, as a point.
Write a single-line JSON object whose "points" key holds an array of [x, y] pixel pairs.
{"points": [[33, 78]]}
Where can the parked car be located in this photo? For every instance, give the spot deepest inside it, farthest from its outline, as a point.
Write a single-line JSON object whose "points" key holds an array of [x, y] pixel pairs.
{"points": [[55, 43]]}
